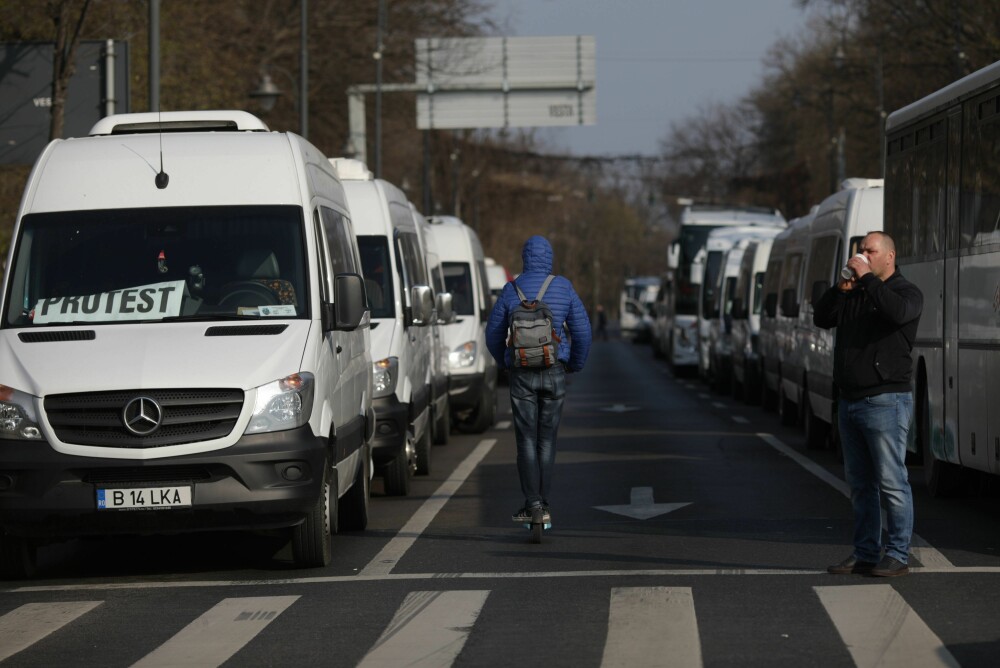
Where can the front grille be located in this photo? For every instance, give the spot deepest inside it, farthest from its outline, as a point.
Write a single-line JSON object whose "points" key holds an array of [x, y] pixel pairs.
{"points": [[189, 416]]}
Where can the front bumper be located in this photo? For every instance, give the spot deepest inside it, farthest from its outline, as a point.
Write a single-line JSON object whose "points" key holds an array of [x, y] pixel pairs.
{"points": [[391, 425], [263, 481], [465, 390]]}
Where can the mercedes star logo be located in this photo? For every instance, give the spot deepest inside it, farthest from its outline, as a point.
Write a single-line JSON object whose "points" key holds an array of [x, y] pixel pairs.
{"points": [[142, 416]]}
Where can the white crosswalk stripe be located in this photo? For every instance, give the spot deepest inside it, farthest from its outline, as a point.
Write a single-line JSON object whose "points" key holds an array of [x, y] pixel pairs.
{"points": [[428, 630], [31, 622], [646, 627], [214, 637], [649, 627], [880, 629]]}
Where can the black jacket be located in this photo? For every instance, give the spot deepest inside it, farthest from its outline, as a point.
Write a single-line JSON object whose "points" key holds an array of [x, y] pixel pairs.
{"points": [[876, 324]]}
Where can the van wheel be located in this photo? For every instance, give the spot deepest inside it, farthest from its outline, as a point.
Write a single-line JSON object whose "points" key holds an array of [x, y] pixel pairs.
{"points": [[815, 427], [18, 557], [485, 412], [396, 475], [423, 452], [352, 510], [311, 540], [442, 424], [787, 409], [942, 478]]}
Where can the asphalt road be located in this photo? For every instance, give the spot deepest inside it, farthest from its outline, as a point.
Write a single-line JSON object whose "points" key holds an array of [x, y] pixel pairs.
{"points": [[689, 530]]}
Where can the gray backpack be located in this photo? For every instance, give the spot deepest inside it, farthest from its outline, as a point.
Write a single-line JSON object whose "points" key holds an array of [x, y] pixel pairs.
{"points": [[533, 341]]}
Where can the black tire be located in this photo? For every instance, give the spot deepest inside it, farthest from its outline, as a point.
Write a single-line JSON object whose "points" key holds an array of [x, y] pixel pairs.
{"points": [[423, 452], [312, 540], [442, 424], [485, 412], [787, 408], [352, 510], [815, 428], [943, 479], [396, 475], [536, 533], [18, 557]]}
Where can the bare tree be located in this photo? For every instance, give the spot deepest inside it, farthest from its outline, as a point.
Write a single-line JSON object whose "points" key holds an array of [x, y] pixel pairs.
{"points": [[68, 22]]}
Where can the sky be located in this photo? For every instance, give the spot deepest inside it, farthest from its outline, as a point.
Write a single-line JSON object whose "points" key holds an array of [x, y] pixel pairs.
{"points": [[658, 61]]}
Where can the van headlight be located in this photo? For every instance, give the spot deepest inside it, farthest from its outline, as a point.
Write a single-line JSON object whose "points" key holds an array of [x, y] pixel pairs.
{"points": [[463, 356], [283, 404], [384, 375], [18, 420]]}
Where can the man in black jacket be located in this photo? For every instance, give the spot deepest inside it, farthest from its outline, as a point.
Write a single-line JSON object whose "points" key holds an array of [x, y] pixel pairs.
{"points": [[876, 313]]}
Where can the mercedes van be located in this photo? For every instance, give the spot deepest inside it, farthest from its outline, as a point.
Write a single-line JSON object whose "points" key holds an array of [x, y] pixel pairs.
{"points": [[184, 339], [393, 259], [472, 370]]}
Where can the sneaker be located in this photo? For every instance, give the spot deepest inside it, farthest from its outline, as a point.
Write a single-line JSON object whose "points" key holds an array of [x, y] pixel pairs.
{"points": [[851, 566], [524, 515], [890, 567]]}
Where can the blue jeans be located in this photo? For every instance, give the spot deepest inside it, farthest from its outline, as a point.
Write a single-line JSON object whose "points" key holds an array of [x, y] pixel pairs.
{"points": [[536, 399], [873, 434]]}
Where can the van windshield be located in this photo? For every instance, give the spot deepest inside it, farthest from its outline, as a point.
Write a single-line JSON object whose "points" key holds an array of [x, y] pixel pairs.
{"points": [[377, 267], [458, 281], [178, 263]]}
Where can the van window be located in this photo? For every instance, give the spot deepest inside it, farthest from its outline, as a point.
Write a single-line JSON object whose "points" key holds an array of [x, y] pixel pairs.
{"points": [[772, 278], [709, 303], [339, 236], [413, 268], [377, 270], [175, 263], [790, 276], [458, 281], [758, 292], [484, 292], [822, 257]]}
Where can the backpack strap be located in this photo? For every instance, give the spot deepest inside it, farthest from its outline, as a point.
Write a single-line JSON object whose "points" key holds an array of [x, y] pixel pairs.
{"points": [[520, 295], [545, 286]]}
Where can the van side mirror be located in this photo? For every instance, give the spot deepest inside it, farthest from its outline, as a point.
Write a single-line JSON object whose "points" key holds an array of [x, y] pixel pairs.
{"points": [[673, 256], [347, 312], [421, 305], [445, 309], [771, 304], [789, 307], [819, 287]]}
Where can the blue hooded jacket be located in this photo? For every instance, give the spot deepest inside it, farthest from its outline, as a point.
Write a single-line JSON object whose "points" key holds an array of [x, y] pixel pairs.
{"points": [[561, 298]]}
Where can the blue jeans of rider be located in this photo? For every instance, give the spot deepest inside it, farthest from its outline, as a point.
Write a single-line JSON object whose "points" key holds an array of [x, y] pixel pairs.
{"points": [[873, 435], [536, 399]]}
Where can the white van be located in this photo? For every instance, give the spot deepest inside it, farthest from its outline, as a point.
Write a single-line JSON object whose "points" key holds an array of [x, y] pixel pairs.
{"points": [[473, 371], [402, 312], [497, 276], [746, 315], [183, 347], [842, 221], [440, 374]]}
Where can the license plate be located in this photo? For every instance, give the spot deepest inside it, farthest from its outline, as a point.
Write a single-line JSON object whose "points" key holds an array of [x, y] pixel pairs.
{"points": [[143, 498]]}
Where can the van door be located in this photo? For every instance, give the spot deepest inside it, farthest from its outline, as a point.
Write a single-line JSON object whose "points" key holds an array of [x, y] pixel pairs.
{"points": [[331, 367], [417, 338]]}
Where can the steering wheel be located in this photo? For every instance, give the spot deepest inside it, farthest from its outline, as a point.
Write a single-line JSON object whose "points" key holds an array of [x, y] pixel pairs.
{"points": [[248, 293]]}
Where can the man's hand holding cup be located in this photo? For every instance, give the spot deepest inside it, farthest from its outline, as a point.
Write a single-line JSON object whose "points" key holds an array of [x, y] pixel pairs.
{"points": [[856, 267]]}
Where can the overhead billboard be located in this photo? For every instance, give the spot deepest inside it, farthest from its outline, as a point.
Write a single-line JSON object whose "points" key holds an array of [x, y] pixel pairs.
{"points": [[497, 82], [26, 94]]}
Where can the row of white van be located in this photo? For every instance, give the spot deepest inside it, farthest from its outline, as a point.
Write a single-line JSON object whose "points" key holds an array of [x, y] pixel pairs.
{"points": [[208, 325], [756, 334]]}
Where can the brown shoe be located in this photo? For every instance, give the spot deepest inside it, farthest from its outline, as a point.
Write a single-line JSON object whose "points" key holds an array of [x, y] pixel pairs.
{"points": [[890, 567], [851, 566]]}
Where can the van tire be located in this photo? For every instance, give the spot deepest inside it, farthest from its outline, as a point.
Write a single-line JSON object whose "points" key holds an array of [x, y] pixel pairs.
{"points": [[352, 510], [18, 557], [786, 408], [396, 475], [311, 540], [484, 413], [422, 452], [442, 424]]}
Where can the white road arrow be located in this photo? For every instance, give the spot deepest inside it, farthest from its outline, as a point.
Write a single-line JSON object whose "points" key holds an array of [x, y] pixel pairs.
{"points": [[642, 506], [619, 408]]}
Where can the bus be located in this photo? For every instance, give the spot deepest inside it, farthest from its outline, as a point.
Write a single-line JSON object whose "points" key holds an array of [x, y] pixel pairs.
{"points": [[942, 208], [680, 305], [635, 307]]}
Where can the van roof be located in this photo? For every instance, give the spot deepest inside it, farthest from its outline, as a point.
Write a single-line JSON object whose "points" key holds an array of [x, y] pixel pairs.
{"points": [[221, 120], [351, 169]]}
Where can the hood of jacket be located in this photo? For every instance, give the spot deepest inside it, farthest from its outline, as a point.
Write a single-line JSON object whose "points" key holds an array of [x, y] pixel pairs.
{"points": [[537, 255]]}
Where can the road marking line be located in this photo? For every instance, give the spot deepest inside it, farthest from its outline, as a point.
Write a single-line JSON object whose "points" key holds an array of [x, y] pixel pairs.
{"points": [[881, 629], [920, 548], [719, 404], [500, 426], [703, 395], [650, 627], [217, 635], [24, 626], [429, 629], [389, 556], [342, 579], [740, 419]]}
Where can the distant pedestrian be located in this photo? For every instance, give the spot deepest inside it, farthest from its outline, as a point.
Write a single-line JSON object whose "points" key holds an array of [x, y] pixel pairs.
{"points": [[875, 313], [602, 323], [537, 393]]}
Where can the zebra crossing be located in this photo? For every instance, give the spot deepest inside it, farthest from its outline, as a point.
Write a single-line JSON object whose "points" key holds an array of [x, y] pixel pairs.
{"points": [[648, 626]]}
